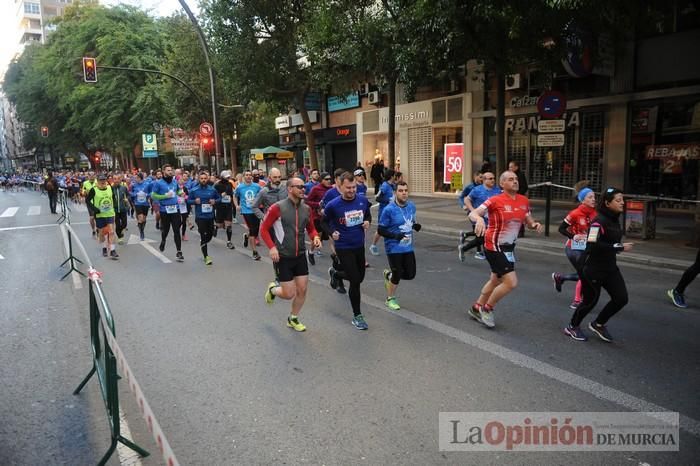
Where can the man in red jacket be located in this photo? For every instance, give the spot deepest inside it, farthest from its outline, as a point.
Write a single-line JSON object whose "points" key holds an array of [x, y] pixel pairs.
{"points": [[313, 200]]}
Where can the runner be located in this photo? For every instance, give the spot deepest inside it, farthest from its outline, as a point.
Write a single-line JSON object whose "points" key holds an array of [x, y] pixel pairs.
{"points": [[314, 179], [204, 198], [183, 206], [575, 227], [165, 192], [224, 208], [87, 186], [140, 194], [346, 218], [155, 205], [121, 205], [313, 200], [384, 197], [677, 294], [289, 218], [101, 201], [331, 194], [396, 225], [243, 199], [506, 212], [603, 243], [268, 195], [475, 198]]}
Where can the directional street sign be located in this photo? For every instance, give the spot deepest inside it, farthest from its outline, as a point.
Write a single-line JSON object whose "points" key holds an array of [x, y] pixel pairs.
{"points": [[206, 129]]}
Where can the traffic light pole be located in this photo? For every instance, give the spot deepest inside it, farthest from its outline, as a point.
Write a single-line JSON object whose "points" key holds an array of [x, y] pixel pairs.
{"points": [[205, 48]]}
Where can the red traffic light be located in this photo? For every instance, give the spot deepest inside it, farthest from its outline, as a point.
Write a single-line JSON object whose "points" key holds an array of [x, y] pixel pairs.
{"points": [[205, 141], [89, 70]]}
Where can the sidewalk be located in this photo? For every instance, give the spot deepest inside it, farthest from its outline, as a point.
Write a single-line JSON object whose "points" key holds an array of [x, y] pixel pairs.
{"points": [[670, 249]]}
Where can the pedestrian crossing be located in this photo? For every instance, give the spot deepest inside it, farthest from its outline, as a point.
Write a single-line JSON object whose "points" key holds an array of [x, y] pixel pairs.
{"points": [[35, 210]]}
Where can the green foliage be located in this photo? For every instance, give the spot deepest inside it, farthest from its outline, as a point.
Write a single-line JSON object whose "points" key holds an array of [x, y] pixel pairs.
{"points": [[258, 126]]}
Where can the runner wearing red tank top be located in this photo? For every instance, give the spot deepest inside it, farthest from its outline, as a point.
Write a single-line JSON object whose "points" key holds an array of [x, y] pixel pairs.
{"points": [[506, 212]]}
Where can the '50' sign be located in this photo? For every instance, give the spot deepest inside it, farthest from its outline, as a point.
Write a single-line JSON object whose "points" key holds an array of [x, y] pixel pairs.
{"points": [[454, 161]]}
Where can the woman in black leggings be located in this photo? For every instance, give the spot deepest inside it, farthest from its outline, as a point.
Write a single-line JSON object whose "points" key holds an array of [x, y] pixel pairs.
{"points": [[677, 294], [600, 270]]}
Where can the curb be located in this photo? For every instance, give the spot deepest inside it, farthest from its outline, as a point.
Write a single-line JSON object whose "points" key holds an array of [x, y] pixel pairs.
{"points": [[535, 245]]}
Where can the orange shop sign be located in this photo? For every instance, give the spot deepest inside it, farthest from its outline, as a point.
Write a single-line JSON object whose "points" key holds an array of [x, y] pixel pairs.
{"points": [[666, 151]]}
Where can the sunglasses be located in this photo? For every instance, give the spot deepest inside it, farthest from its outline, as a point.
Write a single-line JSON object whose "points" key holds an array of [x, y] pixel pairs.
{"points": [[298, 186], [328, 179]]}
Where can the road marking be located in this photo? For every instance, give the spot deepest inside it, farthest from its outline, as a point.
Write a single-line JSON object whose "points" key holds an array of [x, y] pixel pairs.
{"points": [[34, 210], [31, 227], [133, 239], [80, 208], [2, 257], [77, 284], [10, 212]]}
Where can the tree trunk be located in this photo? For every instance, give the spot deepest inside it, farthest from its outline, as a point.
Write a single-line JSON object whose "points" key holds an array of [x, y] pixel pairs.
{"points": [[500, 124], [308, 131], [391, 136]]}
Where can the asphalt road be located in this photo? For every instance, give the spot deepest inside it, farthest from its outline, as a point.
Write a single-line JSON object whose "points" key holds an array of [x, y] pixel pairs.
{"points": [[231, 384]]}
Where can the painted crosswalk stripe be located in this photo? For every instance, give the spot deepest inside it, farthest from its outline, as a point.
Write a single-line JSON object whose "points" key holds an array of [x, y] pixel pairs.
{"points": [[34, 210], [10, 212]]}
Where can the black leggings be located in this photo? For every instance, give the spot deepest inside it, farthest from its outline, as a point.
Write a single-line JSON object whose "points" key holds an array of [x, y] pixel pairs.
{"points": [[353, 270], [171, 219], [403, 266], [205, 226], [592, 282], [689, 275], [576, 258], [120, 219], [183, 218]]}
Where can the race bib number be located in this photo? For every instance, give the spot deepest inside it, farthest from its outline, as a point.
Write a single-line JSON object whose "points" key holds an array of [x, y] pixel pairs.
{"points": [[207, 208], [226, 199], [578, 243], [141, 196], [170, 209], [354, 218], [406, 240], [510, 256]]}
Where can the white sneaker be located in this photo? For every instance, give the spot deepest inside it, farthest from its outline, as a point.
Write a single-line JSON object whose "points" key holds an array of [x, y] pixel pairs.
{"points": [[374, 250], [487, 318], [480, 256]]}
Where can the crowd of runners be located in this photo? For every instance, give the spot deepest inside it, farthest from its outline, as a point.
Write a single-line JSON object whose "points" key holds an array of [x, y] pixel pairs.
{"points": [[335, 209]]}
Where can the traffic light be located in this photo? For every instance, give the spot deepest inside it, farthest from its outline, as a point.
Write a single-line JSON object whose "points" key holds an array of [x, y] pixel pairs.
{"points": [[89, 70], [44, 131], [207, 143]]}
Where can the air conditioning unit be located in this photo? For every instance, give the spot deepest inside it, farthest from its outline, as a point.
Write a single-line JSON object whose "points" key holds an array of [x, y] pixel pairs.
{"points": [[373, 97], [512, 82], [364, 88]]}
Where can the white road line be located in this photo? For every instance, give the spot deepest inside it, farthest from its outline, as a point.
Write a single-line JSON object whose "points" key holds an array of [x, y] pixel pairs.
{"points": [[2, 257], [156, 253], [79, 207], [127, 456], [34, 210], [77, 284], [10, 212], [31, 227]]}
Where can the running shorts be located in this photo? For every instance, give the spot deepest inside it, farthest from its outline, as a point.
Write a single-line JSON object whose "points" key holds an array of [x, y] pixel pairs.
{"points": [[253, 223], [403, 266], [289, 267], [224, 213], [142, 210], [102, 222], [500, 262]]}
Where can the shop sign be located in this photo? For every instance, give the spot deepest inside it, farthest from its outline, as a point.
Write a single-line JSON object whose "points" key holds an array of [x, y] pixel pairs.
{"points": [[259, 156], [339, 133], [313, 101], [454, 161], [531, 123], [283, 121], [551, 126], [337, 103], [550, 140], [298, 121], [644, 120], [669, 151], [525, 101]]}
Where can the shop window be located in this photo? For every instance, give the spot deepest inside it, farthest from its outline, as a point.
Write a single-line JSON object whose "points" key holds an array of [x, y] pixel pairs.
{"points": [[442, 136], [439, 111], [454, 109], [370, 121]]}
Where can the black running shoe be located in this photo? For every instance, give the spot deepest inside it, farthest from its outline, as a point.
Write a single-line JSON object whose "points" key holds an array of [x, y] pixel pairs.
{"points": [[104, 252], [601, 331], [341, 288], [310, 257], [556, 278], [162, 246], [245, 240], [256, 256], [114, 255], [179, 257], [334, 282], [230, 245]]}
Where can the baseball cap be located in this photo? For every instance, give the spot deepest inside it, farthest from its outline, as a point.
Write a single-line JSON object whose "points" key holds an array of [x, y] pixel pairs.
{"points": [[102, 177], [226, 174], [359, 172]]}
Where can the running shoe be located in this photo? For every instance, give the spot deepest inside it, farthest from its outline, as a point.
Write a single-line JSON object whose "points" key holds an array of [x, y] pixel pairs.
{"points": [[487, 317], [475, 312], [341, 287], [677, 298], [157, 225], [234, 220], [208, 260], [293, 322], [392, 304], [256, 256], [387, 279], [575, 332], [460, 253], [191, 226], [556, 278], [601, 331], [179, 257], [318, 253], [185, 238], [374, 250], [245, 240], [269, 297], [574, 305], [462, 237], [480, 255], [120, 240], [215, 232], [114, 255], [162, 246], [334, 281], [230, 245], [104, 252], [94, 232], [310, 257], [359, 322]]}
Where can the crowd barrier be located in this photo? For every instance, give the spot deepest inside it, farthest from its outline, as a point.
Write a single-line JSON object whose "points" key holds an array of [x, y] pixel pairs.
{"points": [[108, 360]]}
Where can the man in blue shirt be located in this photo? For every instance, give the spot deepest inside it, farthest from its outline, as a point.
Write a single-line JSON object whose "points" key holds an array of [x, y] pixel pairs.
{"points": [[346, 219], [140, 192], [204, 197], [384, 197], [244, 198], [165, 192], [478, 179], [396, 225], [314, 179], [475, 198]]}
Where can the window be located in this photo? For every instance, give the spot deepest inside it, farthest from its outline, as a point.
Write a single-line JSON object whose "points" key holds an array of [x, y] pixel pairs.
{"points": [[32, 8]]}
